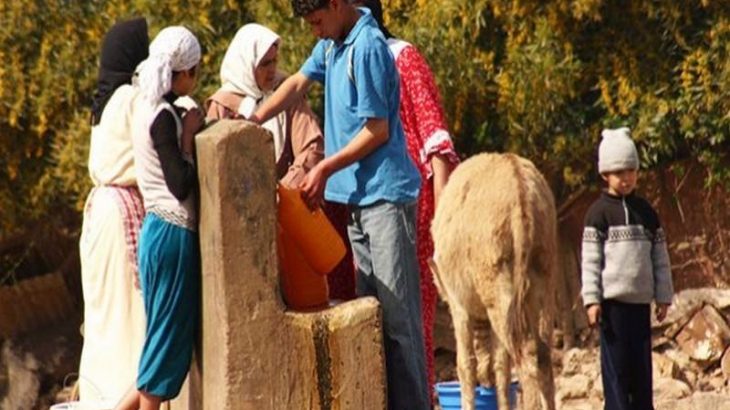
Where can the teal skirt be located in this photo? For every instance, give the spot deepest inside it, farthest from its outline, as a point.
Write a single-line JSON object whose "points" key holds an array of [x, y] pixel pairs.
{"points": [[169, 270]]}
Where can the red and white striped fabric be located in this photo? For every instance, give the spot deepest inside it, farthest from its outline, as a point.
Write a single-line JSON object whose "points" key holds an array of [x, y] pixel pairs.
{"points": [[130, 203], [131, 206]]}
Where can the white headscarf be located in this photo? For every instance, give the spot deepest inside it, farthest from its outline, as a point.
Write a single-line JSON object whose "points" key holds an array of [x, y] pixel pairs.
{"points": [[174, 49], [244, 54]]}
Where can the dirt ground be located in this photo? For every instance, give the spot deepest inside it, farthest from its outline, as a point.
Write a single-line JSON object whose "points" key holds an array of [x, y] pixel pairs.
{"points": [[40, 362], [578, 379]]}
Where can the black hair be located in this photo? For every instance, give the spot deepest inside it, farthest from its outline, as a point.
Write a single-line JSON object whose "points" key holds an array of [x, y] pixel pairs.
{"points": [[376, 8], [304, 7]]}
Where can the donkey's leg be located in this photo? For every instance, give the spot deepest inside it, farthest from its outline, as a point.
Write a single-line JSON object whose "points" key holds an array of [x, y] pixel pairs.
{"points": [[483, 342], [465, 360], [503, 373], [499, 294]]}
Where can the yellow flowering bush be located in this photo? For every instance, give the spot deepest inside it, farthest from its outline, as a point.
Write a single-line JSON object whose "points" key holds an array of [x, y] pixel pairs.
{"points": [[536, 77]]}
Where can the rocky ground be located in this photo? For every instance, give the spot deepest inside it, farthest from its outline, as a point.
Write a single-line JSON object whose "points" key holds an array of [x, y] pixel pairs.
{"points": [[691, 358], [35, 367], [579, 387], [579, 384]]}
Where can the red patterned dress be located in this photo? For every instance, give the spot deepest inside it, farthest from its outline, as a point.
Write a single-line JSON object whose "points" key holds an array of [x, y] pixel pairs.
{"points": [[426, 134]]}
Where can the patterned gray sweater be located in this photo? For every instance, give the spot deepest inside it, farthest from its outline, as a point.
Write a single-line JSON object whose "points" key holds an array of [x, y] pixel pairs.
{"points": [[624, 253]]}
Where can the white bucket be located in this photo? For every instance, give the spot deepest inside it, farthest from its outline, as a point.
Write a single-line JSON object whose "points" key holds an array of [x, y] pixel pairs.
{"points": [[101, 404], [77, 405]]}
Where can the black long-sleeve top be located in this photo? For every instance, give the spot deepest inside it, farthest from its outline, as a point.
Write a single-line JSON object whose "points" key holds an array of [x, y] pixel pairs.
{"points": [[180, 175]]}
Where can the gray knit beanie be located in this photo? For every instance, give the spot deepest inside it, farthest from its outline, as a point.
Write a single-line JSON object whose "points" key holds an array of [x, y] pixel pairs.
{"points": [[617, 151]]}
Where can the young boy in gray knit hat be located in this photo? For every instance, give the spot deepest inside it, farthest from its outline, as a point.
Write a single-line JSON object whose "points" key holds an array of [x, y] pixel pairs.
{"points": [[625, 265]]}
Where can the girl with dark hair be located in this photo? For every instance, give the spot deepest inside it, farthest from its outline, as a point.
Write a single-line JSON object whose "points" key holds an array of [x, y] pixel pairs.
{"points": [[169, 252]]}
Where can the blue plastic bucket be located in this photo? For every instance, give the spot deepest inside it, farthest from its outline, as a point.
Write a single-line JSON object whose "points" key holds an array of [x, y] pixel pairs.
{"points": [[449, 394]]}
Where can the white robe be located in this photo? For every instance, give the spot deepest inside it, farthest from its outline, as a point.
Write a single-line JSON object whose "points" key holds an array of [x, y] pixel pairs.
{"points": [[114, 319]]}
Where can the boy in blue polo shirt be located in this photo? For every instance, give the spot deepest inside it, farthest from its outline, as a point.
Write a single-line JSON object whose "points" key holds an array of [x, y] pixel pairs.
{"points": [[367, 167]]}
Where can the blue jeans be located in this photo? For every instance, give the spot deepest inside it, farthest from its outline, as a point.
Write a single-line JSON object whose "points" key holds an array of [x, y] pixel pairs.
{"points": [[383, 239]]}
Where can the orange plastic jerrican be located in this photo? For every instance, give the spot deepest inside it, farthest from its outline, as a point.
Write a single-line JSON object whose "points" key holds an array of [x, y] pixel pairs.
{"points": [[301, 286], [311, 231]]}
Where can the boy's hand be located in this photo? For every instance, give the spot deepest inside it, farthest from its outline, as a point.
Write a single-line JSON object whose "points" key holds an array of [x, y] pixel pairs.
{"points": [[661, 311], [594, 314], [313, 185]]}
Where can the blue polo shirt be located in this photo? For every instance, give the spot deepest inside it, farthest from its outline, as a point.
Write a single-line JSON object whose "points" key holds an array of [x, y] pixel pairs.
{"points": [[361, 82]]}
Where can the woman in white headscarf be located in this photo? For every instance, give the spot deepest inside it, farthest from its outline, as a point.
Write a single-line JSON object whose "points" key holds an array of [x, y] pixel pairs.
{"points": [[169, 254], [249, 75]]}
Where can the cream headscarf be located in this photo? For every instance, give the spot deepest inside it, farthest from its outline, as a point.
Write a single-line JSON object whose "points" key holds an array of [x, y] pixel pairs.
{"points": [[244, 54], [174, 49]]}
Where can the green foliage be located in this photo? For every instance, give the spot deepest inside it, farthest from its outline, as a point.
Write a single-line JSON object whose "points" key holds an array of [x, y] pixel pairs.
{"points": [[50, 50], [540, 78]]}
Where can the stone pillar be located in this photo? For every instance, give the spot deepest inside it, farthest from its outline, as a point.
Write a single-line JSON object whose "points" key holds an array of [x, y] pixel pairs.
{"points": [[255, 355]]}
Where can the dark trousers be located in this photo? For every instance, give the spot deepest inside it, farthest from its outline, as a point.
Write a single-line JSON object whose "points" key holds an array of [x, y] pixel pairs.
{"points": [[626, 356]]}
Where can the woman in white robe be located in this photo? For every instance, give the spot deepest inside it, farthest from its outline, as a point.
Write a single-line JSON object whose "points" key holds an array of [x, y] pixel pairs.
{"points": [[114, 319]]}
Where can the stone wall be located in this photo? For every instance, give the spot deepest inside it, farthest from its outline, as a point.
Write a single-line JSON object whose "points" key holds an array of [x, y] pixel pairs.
{"points": [[254, 353]]}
